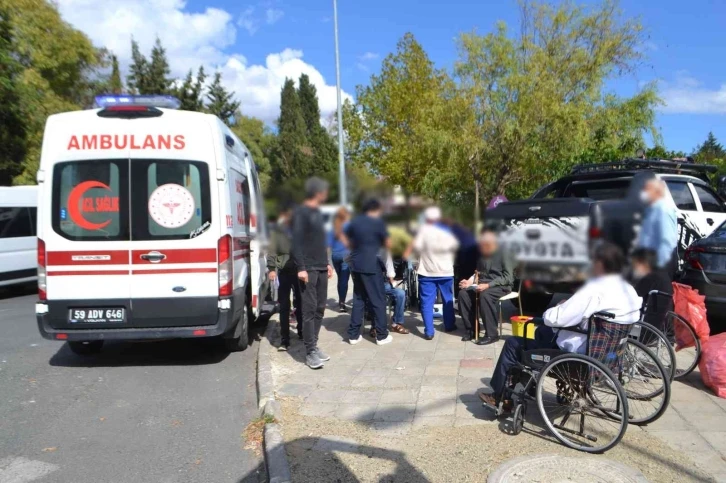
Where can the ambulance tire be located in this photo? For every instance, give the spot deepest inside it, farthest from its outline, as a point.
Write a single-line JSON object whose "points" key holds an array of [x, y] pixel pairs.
{"points": [[241, 339], [86, 348]]}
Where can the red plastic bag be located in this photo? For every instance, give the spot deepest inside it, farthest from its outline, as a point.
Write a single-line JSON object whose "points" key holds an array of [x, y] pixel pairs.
{"points": [[713, 364], [692, 307]]}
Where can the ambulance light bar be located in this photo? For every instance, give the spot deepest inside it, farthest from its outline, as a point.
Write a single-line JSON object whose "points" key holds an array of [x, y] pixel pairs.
{"points": [[162, 101]]}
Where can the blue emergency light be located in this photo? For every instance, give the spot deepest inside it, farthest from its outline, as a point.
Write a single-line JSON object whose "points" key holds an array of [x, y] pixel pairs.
{"points": [[163, 101]]}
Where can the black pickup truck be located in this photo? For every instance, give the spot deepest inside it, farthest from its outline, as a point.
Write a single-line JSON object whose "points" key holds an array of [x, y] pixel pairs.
{"points": [[551, 233]]}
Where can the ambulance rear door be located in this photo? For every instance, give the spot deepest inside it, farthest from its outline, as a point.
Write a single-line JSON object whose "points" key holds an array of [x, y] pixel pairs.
{"points": [[175, 222]]}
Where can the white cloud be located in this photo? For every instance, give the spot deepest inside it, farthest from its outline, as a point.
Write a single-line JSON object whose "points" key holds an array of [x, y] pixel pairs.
{"points": [[273, 15], [368, 56], [258, 86], [687, 95], [193, 39], [248, 21]]}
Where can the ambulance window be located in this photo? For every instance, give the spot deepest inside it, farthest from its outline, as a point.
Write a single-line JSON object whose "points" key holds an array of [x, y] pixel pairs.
{"points": [[16, 222], [90, 200], [170, 199]]}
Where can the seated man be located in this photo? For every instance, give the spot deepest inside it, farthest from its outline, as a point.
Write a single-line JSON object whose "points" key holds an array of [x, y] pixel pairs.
{"points": [[647, 277], [606, 291], [495, 281]]}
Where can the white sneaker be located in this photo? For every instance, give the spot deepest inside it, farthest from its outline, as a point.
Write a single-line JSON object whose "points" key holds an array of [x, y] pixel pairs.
{"points": [[385, 341], [355, 341]]}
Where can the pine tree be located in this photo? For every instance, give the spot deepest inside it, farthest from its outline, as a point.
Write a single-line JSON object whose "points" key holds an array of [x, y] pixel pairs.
{"points": [[159, 81], [115, 84], [710, 149], [323, 146], [190, 92], [295, 155], [13, 133], [221, 102], [138, 78]]}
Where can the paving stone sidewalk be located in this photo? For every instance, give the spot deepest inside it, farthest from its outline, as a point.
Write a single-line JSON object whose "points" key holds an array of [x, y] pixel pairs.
{"points": [[413, 383]]}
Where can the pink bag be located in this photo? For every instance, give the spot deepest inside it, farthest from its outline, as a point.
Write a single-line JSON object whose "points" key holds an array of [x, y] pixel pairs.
{"points": [[713, 364], [692, 307]]}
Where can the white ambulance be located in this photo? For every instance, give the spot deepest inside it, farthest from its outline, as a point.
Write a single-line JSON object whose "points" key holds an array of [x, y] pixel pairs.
{"points": [[151, 225]]}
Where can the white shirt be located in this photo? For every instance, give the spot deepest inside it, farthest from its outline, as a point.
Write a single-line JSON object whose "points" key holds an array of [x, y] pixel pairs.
{"points": [[609, 293], [436, 247]]}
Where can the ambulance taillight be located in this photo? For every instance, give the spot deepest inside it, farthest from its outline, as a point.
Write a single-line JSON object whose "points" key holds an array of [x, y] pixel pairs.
{"points": [[42, 285], [225, 269]]}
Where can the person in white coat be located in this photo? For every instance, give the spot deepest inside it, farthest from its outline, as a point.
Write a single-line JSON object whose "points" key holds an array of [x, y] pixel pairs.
{"points": [[606, 291]]}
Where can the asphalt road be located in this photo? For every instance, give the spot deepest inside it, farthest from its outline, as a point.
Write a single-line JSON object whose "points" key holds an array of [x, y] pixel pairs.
{"points": [[167, 412]]}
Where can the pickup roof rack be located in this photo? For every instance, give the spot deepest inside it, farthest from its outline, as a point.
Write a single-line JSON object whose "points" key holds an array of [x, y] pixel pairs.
{"points": [[657, 165]]}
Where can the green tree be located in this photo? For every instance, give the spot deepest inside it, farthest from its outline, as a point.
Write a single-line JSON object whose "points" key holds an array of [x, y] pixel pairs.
{"points": [[115, 83], [12, 121], [322, 144], [294, 155], [191, 92], [220, 102], [539, 101], [710, 149], [60, 70], [158, 74], [138, 77], [393, 128], [260, 142]]}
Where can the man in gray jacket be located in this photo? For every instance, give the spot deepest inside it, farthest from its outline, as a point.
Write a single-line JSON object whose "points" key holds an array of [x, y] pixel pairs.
{"points": [[494, 281]]}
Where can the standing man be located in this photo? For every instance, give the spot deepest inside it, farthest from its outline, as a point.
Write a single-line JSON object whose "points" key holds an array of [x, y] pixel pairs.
{"points": [[367, 234], [282, 269], [659, 231], [310, 256], [495, 281], [436, 246]]}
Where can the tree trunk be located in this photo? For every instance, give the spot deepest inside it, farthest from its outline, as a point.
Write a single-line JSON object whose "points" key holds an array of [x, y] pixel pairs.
{"points": [[476, 206], [407, 209]]}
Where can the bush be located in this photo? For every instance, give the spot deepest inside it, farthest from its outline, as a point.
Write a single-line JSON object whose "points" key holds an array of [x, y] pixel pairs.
{"points": [[399, 241]]}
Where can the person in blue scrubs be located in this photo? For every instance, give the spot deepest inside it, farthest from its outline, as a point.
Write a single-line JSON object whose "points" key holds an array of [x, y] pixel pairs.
{"points": [[339, 254]]}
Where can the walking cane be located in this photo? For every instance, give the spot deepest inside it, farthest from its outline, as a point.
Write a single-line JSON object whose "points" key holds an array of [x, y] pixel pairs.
{"points": [[476, 307]]}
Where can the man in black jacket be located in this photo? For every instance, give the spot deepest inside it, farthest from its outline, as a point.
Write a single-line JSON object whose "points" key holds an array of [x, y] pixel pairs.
{"points": [[282, 269], [310, 256]]}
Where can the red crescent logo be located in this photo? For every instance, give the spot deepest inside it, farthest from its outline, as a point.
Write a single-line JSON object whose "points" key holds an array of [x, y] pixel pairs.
{"points": [[74, 200]]}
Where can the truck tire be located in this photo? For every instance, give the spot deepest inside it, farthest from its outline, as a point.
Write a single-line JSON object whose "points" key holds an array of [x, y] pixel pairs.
{"points": [[534, 303], [241, 339], [86, 348]]}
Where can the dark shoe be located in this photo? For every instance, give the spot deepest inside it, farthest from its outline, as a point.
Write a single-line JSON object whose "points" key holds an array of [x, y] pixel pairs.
{"points": [[284, 345], [428, 337], [450, 329], [373, 333], [487, 340], [466, 338], [342, 307]]}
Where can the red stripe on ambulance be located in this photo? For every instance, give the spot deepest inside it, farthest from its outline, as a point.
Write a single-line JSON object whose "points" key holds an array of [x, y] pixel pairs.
{"points": [[106, 257]]}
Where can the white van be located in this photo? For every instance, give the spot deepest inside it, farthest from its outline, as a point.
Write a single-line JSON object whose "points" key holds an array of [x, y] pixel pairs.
{"points": [[17, 234], [151, 225]]}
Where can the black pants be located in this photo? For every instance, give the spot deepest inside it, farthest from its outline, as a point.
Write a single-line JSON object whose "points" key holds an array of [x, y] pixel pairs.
{"points": [[289, 285], [368, 291], [544, 338], [488, 308], [314, 294]]}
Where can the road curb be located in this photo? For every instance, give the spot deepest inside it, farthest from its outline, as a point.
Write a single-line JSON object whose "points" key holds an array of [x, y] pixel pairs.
{"points": [[276, 462]]}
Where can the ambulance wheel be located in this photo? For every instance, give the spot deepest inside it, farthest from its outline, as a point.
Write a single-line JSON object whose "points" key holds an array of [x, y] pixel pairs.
{"points": [[241, 339], [86, 348]]}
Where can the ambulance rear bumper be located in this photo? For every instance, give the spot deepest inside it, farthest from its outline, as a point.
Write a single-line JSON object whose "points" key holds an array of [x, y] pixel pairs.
{"points": [[218, 320]]}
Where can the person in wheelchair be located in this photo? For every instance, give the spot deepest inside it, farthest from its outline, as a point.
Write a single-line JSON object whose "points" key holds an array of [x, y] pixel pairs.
{"points": [[605, 291]]}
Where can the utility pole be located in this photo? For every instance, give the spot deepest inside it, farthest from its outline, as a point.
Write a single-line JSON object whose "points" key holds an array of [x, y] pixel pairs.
{"points": [[341, 152]]}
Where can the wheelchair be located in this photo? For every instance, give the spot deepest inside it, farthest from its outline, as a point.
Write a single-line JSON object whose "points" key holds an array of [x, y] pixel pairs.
{"points": [[406, 279], [584, 400]]}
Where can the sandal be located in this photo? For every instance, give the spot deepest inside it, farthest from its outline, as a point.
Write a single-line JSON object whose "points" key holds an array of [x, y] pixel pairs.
{"points": [[399, 329]]}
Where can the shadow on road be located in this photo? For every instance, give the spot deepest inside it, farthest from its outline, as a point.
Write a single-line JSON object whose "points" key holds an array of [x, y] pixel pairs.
{"points": [[16, 291], [177, 352]]}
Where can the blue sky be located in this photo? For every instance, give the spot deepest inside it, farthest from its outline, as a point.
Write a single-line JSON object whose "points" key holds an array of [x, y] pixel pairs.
{"points": [[256, 44]]}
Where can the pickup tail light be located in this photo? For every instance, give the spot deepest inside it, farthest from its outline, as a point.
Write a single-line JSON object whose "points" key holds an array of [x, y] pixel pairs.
{"points": [[693, 258], [225, 268], [42, 280], [595, 232]]}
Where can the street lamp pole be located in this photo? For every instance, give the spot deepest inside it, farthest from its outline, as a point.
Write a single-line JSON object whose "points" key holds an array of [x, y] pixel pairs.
{"points": [[341, 153]]}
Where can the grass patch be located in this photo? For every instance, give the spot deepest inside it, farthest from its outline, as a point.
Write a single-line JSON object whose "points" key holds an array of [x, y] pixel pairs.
{"points": [[253, 434]]}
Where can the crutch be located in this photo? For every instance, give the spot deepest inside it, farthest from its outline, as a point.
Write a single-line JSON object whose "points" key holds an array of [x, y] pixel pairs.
{"points": [[476, 307]]}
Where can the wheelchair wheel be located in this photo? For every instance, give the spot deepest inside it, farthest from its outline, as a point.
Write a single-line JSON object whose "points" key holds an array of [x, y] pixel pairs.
{"points": [[518, 419], [658, 343], [575, 395], [687, 344], [646, 383]]}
